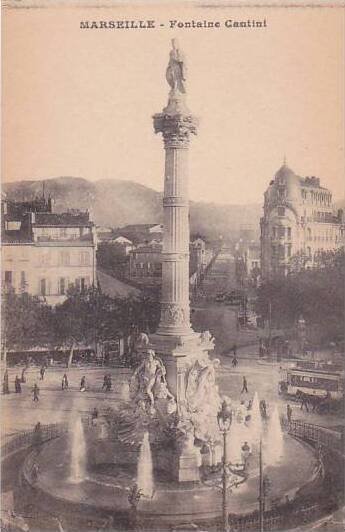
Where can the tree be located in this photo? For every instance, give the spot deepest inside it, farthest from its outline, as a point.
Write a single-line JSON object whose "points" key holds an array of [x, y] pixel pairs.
{"points": [[26, 321], [91, 317], [317, 294], [299, 261]]}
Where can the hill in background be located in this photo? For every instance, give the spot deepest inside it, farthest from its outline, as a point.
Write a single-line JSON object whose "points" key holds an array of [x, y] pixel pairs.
{"points": [[116, 203]]}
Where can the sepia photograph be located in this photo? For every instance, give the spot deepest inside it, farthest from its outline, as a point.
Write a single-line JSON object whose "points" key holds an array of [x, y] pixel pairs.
{"points": [[172, 266]]}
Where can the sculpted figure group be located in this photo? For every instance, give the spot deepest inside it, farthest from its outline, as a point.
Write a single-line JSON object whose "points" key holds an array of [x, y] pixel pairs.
{"points": [[149, 381]]}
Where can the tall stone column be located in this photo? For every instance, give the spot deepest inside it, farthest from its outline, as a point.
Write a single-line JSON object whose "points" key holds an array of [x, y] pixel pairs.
{"points": [[176, 125], [183, 352], [175, 339]]}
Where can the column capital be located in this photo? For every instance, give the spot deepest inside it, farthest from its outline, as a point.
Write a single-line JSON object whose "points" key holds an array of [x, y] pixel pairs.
{"points": [[176, 128]]}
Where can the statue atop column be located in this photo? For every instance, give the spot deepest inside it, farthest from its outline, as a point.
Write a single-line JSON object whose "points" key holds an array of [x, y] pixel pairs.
{"points": [[176, 77], [176, 70]]}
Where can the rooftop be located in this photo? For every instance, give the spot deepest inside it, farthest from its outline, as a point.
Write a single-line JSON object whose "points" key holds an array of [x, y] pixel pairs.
{"points": [[64, 219]]}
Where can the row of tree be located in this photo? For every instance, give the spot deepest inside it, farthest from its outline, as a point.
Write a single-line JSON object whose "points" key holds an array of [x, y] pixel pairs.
{"points": [[85, 318], [317, 294]]}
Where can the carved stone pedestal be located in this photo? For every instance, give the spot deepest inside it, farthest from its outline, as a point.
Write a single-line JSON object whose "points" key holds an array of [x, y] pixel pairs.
{"points": [[185, 465]]}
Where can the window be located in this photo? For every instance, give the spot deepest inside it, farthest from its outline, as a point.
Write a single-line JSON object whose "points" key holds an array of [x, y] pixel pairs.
{"points": [[64, 258], [22, 280], [289, 250], [289, 233], [8, 278], [281, 211], [45, 258], [82, 283], [84, 258], [281, 192], [62, 286], [281, 231], [43, 287]]}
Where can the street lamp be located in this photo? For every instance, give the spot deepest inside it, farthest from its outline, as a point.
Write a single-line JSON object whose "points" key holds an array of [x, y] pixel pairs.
{"points": [[224, 418]]}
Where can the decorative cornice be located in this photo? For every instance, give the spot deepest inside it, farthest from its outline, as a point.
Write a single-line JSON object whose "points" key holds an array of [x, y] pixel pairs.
{"points": [[176, 129], [175, 201], [174, 256]]}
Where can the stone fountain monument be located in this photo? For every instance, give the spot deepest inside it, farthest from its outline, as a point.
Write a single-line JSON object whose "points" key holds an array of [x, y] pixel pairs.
{"points": [[175, 351]]}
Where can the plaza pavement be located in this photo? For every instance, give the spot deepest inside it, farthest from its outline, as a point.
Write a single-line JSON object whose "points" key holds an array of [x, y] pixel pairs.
{"points": [[19, 412]]}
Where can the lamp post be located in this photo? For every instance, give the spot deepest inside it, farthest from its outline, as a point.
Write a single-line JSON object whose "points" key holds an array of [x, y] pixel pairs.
{"points": [[224, 419], [261, 491]]}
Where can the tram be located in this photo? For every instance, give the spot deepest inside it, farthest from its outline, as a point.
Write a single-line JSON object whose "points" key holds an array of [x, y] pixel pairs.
{"points": [[312, 381]]}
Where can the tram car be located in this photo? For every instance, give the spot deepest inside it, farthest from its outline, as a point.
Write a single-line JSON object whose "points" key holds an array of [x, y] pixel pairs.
{"points": [[312, 381]]}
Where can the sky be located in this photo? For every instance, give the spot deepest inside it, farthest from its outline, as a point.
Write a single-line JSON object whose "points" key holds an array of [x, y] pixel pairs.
{"points": [[80, 102]]}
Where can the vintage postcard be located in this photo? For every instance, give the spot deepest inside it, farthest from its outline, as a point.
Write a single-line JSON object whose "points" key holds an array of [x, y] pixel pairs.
{"points": [[172, 252]]}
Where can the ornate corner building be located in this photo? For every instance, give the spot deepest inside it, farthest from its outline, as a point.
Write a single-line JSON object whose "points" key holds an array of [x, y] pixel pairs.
{"points": [[299, 220]]}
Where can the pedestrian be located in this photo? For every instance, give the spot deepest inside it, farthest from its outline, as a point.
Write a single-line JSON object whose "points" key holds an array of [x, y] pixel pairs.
{"points": [[263, 408], [105, 382], [64, 382], [17, 385], [109, 383], [5, 386], [244, 386], [23, 380], [289, 413], [304, 402], [42, 372], [94, 414], [34, 472], [37, 437], [83, 384], [36, 392], [234, 362]]}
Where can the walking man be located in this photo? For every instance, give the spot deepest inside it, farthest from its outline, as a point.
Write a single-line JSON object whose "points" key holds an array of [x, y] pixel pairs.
{"points": [[234, 362], [5, 386], [94, 415], [304, 402], [42, 372], [64, 382], [17, 385], [83, 384], [105, 382], [109, 383], [244, 386], [36, 392], [289, 413]]}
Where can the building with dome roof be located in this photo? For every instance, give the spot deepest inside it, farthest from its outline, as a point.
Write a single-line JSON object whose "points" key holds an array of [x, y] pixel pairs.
{"points": [[299, 219]]}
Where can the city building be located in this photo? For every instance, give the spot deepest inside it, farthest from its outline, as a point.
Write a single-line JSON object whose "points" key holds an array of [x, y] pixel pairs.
{"points": [[45, 253], [299, 220], [197, 256], [145, 264], [141, 233]]}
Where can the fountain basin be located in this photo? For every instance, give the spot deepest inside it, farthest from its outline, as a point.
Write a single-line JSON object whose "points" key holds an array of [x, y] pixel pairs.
{"points": [[106, 486]]}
